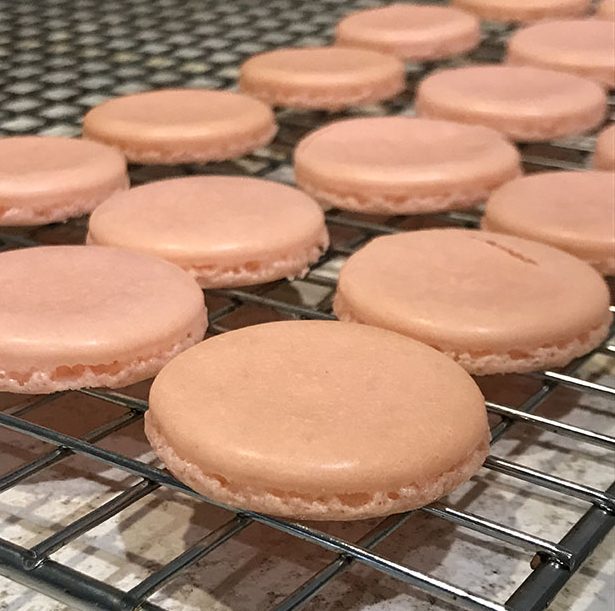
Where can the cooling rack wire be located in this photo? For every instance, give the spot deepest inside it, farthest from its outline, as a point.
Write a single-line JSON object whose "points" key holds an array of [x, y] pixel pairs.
{"points": [[57, 59]]}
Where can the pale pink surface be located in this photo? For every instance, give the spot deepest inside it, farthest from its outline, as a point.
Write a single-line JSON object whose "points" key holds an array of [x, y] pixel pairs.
{"points": [[604, 156], [45, 179], [496, 303], [214, 225], [411, 31], [581, 46], [72, 312], [524, 10], [283, 444], [402, 164], [523, 102], [606, 10], [181, 125], [322, 77], [574, 211]]}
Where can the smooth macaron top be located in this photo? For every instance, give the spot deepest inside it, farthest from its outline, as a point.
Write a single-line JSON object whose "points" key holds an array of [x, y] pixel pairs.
{"points": [[177, 116], [318, 66], [604, 156], [357, 409], [389, 154], [210, 220], [411, 31], [581, 46], [88, 305], [606, 9], [573, 210], [473, 291], [489, 94], [514, 89], [322, 77], [524, 10], [40, 170]]}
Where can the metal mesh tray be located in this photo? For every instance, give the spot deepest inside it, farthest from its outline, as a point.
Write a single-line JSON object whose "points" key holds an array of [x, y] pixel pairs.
{"points": [[57, 59]]}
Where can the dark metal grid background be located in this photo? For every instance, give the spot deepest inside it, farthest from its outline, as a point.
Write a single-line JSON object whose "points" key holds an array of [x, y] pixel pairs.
{"points": [[57, 59]]}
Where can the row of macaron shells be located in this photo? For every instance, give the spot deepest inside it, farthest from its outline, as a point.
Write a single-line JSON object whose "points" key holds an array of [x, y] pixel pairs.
{"points": [[62, 303], [352, 477], [210, 226], [523, 104]]}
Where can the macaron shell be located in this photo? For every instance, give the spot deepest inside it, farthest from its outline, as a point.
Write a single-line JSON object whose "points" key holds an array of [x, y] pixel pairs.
{"points": [[581, 46], [411, 32], [330, 78], [75, 306], [403, 165], [574, 211], [524, 102], [286, 447], [524, 10], [182, 125], [477, 294], [604, 156], [606, 10], [215, 225], [45, 179]]}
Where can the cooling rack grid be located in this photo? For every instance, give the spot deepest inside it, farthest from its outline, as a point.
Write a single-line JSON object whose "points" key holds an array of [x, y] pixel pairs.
{"points": [[57, 59]]}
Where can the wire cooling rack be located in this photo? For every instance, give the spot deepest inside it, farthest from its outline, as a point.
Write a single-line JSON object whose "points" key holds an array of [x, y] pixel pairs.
{"points": [[58, 58]]}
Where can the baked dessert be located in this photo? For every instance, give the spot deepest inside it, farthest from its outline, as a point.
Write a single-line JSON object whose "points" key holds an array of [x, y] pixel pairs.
{"points": [[574, 211], [402, 165], [226, 231], [45, 179], [523, 102], [363, 422], [604, 155], [494, 303], [524, 10], [322, 78], [77, 316], [173, 126], [580, 46], [412, 32]]}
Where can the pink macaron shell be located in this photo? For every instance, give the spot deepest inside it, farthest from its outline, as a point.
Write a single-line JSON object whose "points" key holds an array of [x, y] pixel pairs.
{"points": [[403, 165], [495, 303], [606, 10], [604, 155], [580, 46], [328, 78], [282, 444], [524, 10], [181, 125], [411, 32], [46, 179], [224, 230], [574, 211], [78, 316], [523, 102]]}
